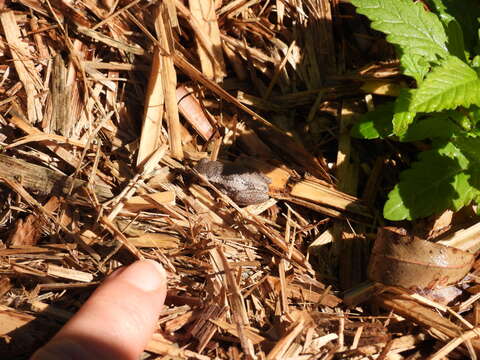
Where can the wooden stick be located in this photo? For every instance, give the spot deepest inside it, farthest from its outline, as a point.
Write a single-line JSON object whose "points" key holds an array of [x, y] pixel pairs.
{"points": [[213, 65], [25, 68], [169, 78], [153, 112]]}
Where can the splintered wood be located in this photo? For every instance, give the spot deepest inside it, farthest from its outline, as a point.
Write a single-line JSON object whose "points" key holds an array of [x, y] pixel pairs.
{"points": [[153, 113], [106, 106], [25, 68], [58, 271], [210, 46]]}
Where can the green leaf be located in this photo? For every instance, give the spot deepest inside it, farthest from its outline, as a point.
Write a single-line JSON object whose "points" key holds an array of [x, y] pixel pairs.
{"points": [[408, 25], [439, 180], [374, 124], [438, 125], [441, 10], [470, 147], [462, 120], [414, 66], [455, 40], [448, 86], [466, 14], [477, 202], [402, 118], [474, 116], [475, 61], [453, 29], [465, 192], [401, 121]]}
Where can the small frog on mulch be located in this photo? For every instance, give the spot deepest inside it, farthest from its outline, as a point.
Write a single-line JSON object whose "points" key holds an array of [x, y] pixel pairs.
{"points": [[241, 184]]}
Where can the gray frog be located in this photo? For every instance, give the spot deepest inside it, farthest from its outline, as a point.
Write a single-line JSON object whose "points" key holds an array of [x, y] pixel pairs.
{"points": [[242, 185]]}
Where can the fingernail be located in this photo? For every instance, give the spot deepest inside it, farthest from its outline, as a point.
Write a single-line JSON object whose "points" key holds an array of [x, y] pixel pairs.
{"points": [[146, 275]]}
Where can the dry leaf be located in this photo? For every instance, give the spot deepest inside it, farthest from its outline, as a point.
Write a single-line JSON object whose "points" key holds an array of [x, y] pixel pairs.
{"points": [[402, 260]]}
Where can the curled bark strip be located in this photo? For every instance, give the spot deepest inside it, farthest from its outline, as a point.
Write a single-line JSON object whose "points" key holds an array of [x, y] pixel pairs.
{"points": [[191, 109], [403, 260]]}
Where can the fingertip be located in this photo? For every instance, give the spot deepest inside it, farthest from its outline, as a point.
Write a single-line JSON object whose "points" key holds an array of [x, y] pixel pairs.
{"points": [[117, 320], [146, 275]]}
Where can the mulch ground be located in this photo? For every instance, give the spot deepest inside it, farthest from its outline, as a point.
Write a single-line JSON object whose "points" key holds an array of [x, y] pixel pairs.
{"points": [[105, 108]]}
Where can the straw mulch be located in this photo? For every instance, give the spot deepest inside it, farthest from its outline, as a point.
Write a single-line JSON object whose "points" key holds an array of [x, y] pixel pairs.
{"points": [[106, 106]]}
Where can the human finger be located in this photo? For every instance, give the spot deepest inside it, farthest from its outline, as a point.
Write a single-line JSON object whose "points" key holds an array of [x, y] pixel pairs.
{"points": [[117, 320]]}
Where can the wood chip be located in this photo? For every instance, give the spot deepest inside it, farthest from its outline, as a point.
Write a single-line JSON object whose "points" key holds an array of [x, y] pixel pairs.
{"points": [[71, 274]]}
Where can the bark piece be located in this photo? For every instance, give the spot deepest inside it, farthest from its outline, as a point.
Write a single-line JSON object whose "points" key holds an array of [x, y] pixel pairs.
{"points": [[42, 180]]}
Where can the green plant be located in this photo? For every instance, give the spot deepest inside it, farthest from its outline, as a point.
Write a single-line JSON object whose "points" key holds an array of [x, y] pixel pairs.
{"points": [[438, 48]]}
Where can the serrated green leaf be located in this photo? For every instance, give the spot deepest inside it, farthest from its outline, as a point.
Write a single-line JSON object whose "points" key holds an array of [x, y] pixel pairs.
{"points": [[401, 121], [439, 180], [414, 66], [408, 25], [470, 147], [455, 44], [436, 126], [474, 116], [439, 7], [448, 86], [402, 117], [466, 14], [475, 63], [465, 192], [374, 124], [462, 119]]}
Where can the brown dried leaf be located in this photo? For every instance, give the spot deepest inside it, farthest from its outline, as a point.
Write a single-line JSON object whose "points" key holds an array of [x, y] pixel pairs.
{"points": [[403, 260]]}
